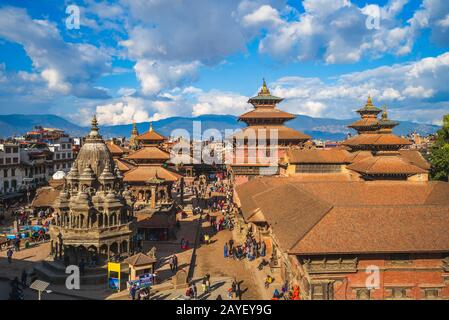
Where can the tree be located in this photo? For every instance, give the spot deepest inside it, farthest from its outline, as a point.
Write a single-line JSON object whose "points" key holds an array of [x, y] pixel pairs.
{"points": [[439, 157]]}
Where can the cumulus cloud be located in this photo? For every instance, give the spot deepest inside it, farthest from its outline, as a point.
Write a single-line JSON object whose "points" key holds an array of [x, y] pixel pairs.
{"points": [[155, 76], [218, 102], [336, 31], [64, 66], [408, 89]]}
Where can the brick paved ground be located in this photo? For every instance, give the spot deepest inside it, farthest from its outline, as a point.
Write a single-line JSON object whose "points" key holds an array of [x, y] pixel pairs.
{"points": [[210, 260]]}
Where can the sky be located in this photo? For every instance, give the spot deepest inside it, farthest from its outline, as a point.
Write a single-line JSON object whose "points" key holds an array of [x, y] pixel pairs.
{"points": [[144, 60]]}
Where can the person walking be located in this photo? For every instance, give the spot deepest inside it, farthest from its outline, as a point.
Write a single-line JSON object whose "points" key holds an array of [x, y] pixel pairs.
{"points": [[24, 278], [234, 287], [171, 263], [175, 263], [194, 290], [9, 255], [132, 292], [204, 286], [225, 250]]}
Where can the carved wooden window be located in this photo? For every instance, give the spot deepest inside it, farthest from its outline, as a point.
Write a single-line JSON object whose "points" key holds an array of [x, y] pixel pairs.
{"points": [[398, 293], [363, 294], [322, 291], [431, 293], [318, 168]]}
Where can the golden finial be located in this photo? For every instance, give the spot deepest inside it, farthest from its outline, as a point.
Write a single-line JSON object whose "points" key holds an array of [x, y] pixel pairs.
{"points": [[151, 126], [369, 102], [384, 113], [264, 90]]}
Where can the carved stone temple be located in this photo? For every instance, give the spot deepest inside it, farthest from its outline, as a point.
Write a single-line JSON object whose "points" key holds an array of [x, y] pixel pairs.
{"points": [[94, 215]]}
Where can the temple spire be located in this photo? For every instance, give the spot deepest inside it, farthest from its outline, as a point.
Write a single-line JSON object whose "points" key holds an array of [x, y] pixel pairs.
{"points": [[264, 90], [94, 128], [151, 126], [369, 102], [384, 113], [134, 131]]}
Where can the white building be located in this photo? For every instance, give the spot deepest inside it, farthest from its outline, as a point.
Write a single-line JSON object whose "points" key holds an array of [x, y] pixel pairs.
{"points": [[62, 155], [11, 173]]}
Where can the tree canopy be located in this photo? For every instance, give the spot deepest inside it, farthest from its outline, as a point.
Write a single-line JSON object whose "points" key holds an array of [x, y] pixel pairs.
{"points": [[439, 158]]}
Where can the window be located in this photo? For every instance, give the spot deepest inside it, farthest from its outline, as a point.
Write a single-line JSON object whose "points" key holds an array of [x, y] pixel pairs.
{"points": [[15, 150], [7, 149], [14, 184], [398, 293], [431, 293], [15, 160], [363, 294], [63, 156], [5, 173], [1, 160], [58, 156], [13, 172], [322, 291], [318, 168], [8, 160]]}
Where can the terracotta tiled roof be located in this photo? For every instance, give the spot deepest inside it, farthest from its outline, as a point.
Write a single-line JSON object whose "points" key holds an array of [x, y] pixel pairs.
{"points": [[376, 139], [115, 149], [350, 217], [45, 197], [139, 259], [415, 157], [317, 156], [378, 230], [123, 165], [385, 165], [359, 155], [266, 112], [282, 212], [149, 153], [144, 173], [366, 122], [151, 135], [283, 133]]}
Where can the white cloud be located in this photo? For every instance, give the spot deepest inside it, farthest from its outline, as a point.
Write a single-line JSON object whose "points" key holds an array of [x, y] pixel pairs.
{"points": [[122, 112], [154, 76], [64, 66], [55, 81], [218, 102], [263, 16]]}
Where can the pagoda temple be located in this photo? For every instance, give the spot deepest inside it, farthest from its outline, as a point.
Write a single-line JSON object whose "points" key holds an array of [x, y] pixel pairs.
{"points": [[383, 154], [265, 126], [150, 178]]}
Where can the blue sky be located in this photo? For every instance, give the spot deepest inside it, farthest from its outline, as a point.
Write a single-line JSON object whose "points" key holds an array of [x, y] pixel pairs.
{"points": [[141, 60]]}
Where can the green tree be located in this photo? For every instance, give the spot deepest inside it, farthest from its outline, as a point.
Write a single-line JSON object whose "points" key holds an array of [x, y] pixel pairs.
{"points": [[439, 157]]}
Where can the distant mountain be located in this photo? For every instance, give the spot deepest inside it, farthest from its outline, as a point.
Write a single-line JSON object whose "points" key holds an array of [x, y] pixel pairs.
{"points": [[19, 124], [318, 128]]}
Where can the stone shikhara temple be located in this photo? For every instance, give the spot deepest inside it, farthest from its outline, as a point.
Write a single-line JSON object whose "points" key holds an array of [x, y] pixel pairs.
{"points": [[94, 215]]}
